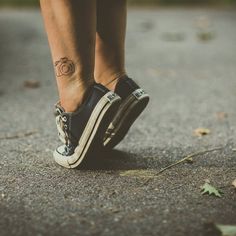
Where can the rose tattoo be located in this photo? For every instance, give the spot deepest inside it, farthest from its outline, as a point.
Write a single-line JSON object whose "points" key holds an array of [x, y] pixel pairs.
{"points": [[64, 67]]}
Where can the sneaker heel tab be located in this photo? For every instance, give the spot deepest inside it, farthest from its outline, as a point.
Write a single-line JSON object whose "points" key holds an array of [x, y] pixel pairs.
{"points": [[125, 83], [101, 88], [131, 83]]}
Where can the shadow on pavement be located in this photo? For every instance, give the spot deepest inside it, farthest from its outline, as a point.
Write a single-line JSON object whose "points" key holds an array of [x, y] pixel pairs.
{"points": [[112, 160]]}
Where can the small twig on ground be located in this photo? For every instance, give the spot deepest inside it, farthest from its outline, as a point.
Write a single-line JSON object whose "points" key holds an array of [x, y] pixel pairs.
{"points": [[185, 159], [19, 135]]}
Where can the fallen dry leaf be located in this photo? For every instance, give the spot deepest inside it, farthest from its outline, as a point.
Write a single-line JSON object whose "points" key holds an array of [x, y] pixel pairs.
{"points": [[234, 183], [203, 22], [31, 84], [205, 35], [204, 27], [201, 132]]}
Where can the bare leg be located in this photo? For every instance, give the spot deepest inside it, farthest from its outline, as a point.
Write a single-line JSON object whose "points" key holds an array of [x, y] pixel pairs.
{"points": [[71, 29], [110, 41]]}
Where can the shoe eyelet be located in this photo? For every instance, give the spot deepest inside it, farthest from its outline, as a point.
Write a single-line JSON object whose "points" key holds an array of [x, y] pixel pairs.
{"points": [[64, 118], [58, 111]]}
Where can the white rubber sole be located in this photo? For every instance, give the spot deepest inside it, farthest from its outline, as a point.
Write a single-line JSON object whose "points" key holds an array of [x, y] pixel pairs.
{"points": [[105, 108], [128, 112]]}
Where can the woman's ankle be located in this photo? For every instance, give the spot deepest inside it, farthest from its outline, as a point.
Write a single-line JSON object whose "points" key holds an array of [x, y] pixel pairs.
{"points": [[72, 96]]}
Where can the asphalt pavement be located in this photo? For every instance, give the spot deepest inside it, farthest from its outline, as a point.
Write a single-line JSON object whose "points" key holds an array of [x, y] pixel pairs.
{"points": [[186, 60]]}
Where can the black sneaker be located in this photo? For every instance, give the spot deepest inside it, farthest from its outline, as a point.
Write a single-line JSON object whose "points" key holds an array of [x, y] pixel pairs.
{"points": [[82, 130], [134, 101]]}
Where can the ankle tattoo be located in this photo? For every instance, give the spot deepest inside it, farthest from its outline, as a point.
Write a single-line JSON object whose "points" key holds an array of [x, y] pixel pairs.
{"points": [[64, 67]]}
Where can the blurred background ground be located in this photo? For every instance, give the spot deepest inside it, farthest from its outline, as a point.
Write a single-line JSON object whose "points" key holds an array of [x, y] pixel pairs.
{"points": [[134, 2], [186, 60]]}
